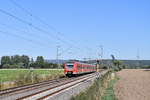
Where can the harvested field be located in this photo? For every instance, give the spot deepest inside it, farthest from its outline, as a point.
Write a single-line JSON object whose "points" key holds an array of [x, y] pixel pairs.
{"points": [[134, 84]]}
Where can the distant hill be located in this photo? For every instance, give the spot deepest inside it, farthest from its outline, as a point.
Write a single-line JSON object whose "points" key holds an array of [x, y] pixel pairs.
{"points": [[56, 61], [135, 62], [109, 61]]}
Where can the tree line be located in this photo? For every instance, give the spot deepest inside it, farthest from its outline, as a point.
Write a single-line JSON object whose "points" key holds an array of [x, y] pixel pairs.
{"points": [[25, 61]]}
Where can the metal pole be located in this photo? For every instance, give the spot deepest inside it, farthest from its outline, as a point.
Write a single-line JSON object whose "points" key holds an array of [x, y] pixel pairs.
{"points": [[138, 58], [57, 55], [101, 55]]}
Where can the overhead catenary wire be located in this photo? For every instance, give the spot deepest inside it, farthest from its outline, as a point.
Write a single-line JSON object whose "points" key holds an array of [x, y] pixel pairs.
{"points": [[66, 50], [21, 31], [35, 27], [70, 43], [43, 22], [24, 38], [35, 17], [39, 19], [30, 24]]}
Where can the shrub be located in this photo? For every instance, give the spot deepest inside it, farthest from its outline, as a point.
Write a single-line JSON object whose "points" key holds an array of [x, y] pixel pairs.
{"points": [[6, 66]]}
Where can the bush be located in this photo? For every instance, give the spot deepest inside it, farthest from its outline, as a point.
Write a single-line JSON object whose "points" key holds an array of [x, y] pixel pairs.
{"points": [[104, 67], [6, 66], [145, 67]]}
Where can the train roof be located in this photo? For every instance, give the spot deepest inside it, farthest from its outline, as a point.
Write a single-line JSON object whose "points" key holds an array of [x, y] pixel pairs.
{"points": [[79, 62]]}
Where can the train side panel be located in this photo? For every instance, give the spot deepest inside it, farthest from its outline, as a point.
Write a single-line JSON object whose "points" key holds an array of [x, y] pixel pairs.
{"points": [[76, 68]]}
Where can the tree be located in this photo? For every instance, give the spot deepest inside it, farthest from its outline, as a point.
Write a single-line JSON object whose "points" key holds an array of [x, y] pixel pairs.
{"points": [[32, 61], [15, 59], [25, 60], [40, 62], [117, 64], [124, 66], [5, 60]]}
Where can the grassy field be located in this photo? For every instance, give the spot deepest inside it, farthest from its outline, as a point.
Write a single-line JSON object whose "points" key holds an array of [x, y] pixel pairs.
{"points": [[11, 74]]}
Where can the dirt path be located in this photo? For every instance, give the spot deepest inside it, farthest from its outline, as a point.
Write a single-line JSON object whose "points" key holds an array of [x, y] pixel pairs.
{"points": [[134, 84]]}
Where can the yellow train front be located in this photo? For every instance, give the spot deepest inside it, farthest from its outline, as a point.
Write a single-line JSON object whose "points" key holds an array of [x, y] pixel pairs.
{"points": [[75, 68]]}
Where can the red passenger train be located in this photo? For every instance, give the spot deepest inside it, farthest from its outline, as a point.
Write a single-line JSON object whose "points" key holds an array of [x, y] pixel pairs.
{"points": [[75, 68]]}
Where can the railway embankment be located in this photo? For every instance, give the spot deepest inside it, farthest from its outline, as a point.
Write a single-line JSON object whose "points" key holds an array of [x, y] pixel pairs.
{"points": [[61, 89], [101, 89]]}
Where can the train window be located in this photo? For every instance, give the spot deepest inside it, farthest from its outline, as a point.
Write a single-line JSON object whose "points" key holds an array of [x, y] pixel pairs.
{"points": [[70, 65], [78, 66]]}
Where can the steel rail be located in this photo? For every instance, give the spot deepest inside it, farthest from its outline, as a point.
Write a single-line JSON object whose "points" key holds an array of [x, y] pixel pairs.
{"points": [[20, 88], [55, 92], [70, 81]]}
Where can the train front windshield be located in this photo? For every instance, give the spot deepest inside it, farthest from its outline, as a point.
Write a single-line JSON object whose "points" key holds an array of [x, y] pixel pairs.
{"points": [[69, 66]]}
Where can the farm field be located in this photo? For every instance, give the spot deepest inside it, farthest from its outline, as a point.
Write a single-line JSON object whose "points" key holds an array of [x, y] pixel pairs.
{"points": [[11, 74], [134, 84]]}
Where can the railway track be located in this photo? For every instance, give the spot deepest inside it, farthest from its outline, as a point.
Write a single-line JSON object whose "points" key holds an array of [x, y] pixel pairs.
{"points": [[42, 90], [16, 89]]}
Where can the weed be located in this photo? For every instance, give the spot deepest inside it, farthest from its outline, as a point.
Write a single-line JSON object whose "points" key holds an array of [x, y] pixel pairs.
{"points": [[109, 93], [95, 91]]}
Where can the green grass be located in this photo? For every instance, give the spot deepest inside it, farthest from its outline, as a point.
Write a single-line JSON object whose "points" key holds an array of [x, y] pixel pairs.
{"points": [[89, 94], [93, 92], [109, 93], [11, 74]]}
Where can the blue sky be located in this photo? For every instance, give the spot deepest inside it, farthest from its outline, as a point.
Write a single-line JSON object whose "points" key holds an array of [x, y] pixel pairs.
{"points": [[120, 26]]}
